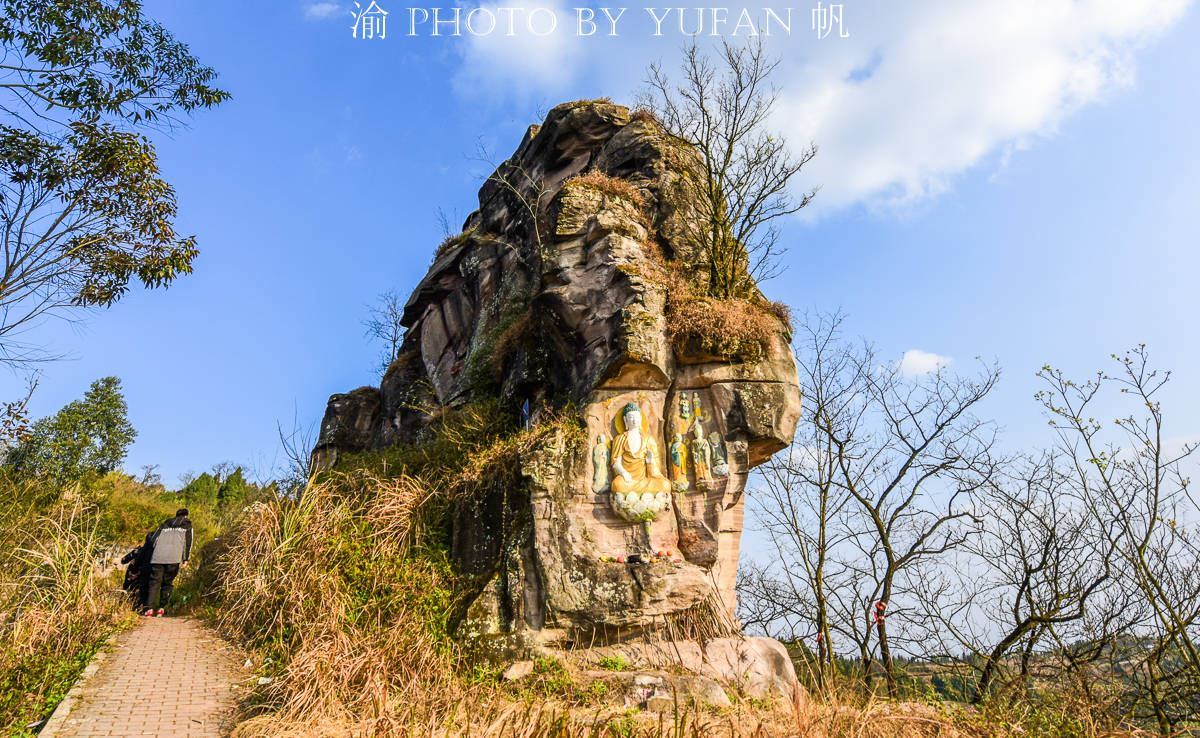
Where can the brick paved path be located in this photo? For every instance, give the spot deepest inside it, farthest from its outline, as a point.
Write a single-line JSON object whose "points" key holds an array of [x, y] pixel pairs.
{"points": [[164, 677]]}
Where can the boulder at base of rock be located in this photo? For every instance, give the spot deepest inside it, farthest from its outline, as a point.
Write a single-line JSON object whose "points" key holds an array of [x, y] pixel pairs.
{"points": [[755, 667]]}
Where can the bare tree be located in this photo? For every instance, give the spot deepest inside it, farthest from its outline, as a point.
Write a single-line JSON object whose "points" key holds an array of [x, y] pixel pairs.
{"points": [[1137, 485], [443, 220], [384, 324], [900, 531], [911, 476], [296, 444], [222, 469], [740, 185], [150, 475], [1035, 563], [878, 489], [15, 424], [802, 506]]}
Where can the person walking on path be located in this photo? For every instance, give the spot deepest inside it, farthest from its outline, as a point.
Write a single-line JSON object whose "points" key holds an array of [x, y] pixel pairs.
{"points": [[172, 547], [138, 571]]}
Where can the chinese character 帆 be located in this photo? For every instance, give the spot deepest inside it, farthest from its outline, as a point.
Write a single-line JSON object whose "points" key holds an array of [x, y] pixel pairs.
{"points": [[827, 17]]}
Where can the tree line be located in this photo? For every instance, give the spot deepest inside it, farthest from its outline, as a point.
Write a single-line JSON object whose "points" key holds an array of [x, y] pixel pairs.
{"points": [[90, 437]]}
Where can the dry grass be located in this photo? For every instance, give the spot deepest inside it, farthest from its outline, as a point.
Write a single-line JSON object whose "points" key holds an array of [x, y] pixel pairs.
{"points": [[782, 311], [584, 102], [494, 712], [645, 115], [55, 610], [612, 186], [347, 590], [736, 329], [323, 585], [449, 243]]}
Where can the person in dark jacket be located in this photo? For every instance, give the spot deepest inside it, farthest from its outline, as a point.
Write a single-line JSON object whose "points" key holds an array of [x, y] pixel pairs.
{"points": [[138, 571], [172, 545]]}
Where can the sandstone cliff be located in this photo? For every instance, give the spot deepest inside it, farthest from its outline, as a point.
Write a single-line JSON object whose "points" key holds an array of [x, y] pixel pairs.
{"points": [[558, 295]]}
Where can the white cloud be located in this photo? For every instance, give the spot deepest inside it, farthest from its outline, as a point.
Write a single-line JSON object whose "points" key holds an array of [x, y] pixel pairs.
{"points": [[915, 98], [916, 362], [510, 50], [320, 11], [918, 94]]}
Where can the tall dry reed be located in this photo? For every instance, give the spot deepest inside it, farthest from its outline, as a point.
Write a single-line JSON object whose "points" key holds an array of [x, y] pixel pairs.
{"points": [[328, 587], [56, 608]]}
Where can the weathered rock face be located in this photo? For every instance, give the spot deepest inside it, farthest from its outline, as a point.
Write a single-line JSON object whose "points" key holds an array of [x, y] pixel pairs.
{"points": [[548, 299]]}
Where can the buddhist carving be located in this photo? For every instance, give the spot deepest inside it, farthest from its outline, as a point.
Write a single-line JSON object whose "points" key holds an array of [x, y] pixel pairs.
{"points": [[720, 465], [701, 457], [600, 464], [639, 490], [635, 457], [678, 455]]}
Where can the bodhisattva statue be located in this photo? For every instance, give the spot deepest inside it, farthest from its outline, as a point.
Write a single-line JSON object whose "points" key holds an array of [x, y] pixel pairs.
{"points": [[635, 458], [600, 464], [720, 465], [701, 458], [679, 480]]}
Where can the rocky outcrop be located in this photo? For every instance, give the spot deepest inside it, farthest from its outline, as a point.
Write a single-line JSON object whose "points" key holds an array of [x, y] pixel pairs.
{"points": [[552, 298]]}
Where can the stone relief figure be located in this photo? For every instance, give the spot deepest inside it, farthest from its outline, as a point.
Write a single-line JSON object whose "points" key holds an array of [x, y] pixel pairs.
{"points": [[600, 464], [635, 457], [679, 480], [696, 409], [720, 464], [701, 458], [685, 408], [639, 490]]}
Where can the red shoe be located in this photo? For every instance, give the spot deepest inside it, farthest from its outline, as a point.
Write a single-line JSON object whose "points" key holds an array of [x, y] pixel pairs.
{"points": [[161, 612], [148, 614]]}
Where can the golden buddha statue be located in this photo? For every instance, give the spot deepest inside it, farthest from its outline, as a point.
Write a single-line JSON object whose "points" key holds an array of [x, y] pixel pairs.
{"points": [[635, 458]]}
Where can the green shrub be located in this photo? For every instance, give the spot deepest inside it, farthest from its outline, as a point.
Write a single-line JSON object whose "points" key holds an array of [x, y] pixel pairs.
{"points": [[598, 689], [233, 490], [614, 663]]}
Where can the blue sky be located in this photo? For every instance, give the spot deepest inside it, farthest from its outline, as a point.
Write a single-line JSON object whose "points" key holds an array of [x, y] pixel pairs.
{"points": [[1013, 179]]}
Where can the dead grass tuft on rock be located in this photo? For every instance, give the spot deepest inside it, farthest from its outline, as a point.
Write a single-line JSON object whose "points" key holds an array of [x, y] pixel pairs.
{"points": [[735, 329], [613, 186], [645, 115]]}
